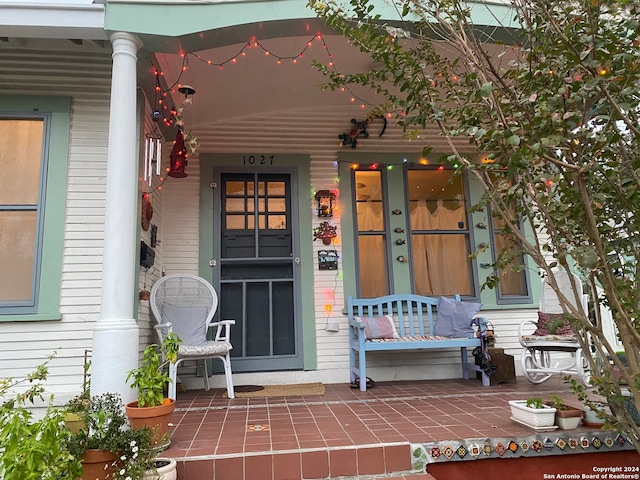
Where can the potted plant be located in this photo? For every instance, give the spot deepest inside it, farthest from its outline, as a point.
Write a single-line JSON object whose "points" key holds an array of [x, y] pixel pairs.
{"points": [[162, 469], [567, 417], [594, 414], [76, 408], [152, 408], [532, 413], [33, 448], [107, 447]]}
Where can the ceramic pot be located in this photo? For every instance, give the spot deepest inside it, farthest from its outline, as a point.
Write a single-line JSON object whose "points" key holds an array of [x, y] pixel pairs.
{"points": [[73, 422], [156, 418], [568, 418], [165, 469], [98, 465], [590, 418]]}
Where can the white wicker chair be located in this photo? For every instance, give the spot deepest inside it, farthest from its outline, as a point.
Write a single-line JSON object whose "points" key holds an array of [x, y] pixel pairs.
{"points": [[185, 305]]}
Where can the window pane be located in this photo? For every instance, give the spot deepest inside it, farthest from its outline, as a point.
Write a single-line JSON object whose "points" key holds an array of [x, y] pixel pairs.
{"points": [[20, 153], [17, 245], [440, 265], [235, 222], [276, 188], [277, 222], [440, 261], [235, 205], [373, 266], [235, 188], [277, 205], [511, 283]]}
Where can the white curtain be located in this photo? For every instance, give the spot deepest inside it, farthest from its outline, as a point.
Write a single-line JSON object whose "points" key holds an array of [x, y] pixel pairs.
{"points": [[440, 261], [373, 273]]}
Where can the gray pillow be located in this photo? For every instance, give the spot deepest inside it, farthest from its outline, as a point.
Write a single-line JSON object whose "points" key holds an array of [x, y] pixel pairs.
{"points": [[455, 318], [187, 322]]}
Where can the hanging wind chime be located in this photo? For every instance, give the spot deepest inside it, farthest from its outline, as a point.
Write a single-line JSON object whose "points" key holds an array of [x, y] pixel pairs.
{"points": [[152, 155]]}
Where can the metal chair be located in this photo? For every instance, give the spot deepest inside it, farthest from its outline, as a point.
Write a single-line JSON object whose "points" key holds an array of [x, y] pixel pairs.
{"points": [[543, 356], [185, 305]]}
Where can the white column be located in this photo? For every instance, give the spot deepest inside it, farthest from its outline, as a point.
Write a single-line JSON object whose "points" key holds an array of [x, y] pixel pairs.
{"points": [[115, 337]]}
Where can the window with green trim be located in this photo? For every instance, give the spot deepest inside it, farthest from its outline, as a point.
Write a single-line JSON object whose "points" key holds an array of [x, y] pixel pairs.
{"points": [[23, 152], [34, 133]]}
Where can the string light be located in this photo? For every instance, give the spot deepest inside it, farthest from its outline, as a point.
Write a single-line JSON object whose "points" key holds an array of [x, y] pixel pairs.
{"points": [[254, 43]]}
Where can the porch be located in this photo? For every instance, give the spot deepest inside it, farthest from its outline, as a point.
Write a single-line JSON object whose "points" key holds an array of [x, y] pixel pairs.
{"points": [[347, 433]]}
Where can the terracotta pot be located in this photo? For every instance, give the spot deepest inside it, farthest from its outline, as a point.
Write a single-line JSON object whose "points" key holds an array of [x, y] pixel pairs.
{"points": [[98, 465], [156, 418], [144, 295], [167, 471], [327, 240]]}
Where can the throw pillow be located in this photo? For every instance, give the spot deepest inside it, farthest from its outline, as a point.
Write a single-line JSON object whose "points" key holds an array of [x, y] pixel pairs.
{"points": [[188, 322], [455, 318], [379, 327], [553, 324]]}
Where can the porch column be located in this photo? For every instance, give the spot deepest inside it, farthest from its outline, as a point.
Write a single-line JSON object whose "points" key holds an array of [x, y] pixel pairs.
{"points": [[115, 337]]}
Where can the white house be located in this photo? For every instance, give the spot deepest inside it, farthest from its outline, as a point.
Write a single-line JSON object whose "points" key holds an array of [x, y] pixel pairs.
{"points": [[80, 81]]}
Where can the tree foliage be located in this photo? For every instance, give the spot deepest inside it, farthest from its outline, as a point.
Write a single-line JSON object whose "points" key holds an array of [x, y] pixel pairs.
{"points": [[549, 98]]}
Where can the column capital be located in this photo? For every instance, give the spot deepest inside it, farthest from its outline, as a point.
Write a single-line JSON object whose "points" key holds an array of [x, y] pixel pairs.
{"points": [[125, 41]]}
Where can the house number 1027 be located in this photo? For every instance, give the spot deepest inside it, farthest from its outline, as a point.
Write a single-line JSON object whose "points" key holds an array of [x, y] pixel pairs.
{"points": [[257, 159]]}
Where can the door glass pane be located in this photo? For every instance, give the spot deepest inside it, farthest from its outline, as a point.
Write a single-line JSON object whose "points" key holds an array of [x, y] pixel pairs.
{"points": [[21, 154], [276, 188], [439, 261], [277, 222], [235, 205], [235, 188], [17, 246], [235, 222], [277, 205]]}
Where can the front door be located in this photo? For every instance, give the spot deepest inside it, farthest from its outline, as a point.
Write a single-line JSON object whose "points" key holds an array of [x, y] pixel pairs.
{"points": [[256, 269]]}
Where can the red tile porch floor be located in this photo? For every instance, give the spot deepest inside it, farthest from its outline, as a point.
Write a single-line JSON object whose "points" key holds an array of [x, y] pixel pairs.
{"points": [[344, 433]]}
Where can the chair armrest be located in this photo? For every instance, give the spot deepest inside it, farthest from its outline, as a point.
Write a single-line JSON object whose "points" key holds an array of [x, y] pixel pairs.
{"points": [[223, 330], [162, 329], [524, 326]]}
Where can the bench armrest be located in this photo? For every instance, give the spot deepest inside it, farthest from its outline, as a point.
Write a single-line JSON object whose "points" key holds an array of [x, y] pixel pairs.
{"points": [[356, 323]]}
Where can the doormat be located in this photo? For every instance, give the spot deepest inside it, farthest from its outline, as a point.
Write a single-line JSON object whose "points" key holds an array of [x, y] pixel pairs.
{"points": [[295, 390]]}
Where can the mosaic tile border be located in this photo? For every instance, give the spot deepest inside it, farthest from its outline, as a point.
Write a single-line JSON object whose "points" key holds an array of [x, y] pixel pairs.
{"points": [[542, 444]]}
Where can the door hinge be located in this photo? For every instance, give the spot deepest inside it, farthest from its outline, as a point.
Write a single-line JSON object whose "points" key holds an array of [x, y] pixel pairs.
{"points": [[212, 262], [213, 185]]}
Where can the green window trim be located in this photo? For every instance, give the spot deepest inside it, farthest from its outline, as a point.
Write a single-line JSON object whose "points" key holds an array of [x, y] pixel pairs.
{"points": [[398, 161], [51, 248]]}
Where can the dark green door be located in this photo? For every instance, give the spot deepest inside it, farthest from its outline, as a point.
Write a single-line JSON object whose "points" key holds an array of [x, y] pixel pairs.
{"points": [[256, 270]]}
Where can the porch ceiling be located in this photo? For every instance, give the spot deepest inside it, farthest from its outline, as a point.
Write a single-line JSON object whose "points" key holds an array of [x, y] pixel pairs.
{"points": [[238, 80]]}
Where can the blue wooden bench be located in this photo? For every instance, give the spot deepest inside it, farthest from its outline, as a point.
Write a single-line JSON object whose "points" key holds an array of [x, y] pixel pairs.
{"points": [[414, 320]]}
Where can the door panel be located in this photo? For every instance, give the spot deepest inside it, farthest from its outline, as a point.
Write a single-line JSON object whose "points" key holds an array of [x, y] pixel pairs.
{"points": [[256, 270]]}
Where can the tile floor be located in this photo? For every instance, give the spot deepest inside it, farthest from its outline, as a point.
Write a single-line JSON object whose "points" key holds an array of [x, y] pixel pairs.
{"points": [[346, 432]]}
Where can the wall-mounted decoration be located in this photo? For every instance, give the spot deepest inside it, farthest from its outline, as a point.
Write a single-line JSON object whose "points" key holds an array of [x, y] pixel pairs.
{"points": [[360, 130], [325, 232], [147, 211], [154, 236], [327, 260], [325, 200]]}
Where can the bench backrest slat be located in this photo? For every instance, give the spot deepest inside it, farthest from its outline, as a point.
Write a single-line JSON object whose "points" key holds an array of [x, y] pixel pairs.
{"points": [[413, 314]]}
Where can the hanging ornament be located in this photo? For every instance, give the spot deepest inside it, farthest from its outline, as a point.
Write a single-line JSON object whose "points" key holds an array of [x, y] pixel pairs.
{"points": [[178, 157]]}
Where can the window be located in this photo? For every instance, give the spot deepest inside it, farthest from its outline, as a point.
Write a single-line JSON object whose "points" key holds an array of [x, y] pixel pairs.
{"points": [[414, 232], [371, 233], [439, 233], [513, 277], [34, 133], [21, 153]]}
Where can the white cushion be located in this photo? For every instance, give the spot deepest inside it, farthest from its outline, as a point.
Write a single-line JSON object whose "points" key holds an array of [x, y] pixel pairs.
{"points": [[209, 348]]}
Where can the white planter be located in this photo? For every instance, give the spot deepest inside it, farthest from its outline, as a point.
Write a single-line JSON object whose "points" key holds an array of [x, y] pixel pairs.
{"points": [[167, 472], [535, 417], [568, 423]]}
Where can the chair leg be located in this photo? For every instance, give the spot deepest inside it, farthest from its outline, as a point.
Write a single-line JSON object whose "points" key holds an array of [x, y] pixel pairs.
{"points": [[227, 373], [206, 376], [173, 375]]}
